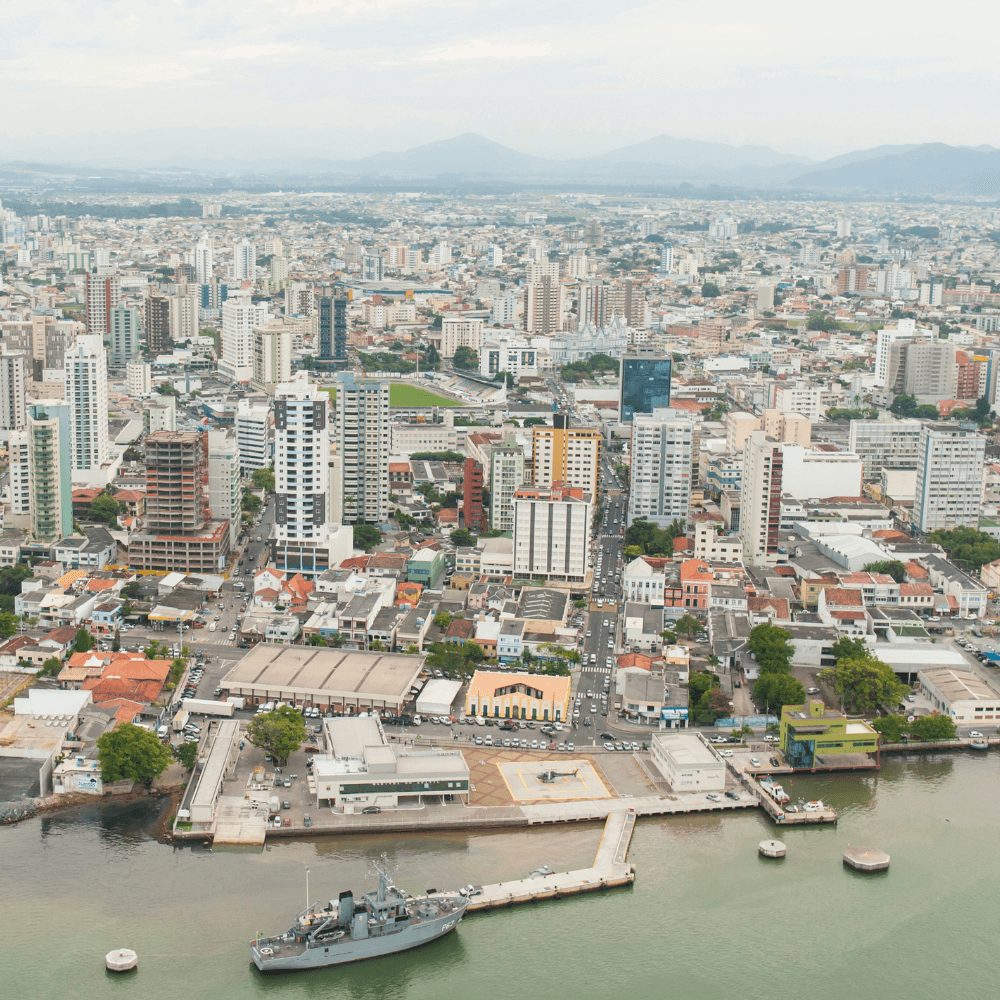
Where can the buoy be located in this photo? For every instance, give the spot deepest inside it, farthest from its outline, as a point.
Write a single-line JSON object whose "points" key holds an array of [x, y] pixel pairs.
{"points": [[771, 849], [121, 960], [866, 859]]}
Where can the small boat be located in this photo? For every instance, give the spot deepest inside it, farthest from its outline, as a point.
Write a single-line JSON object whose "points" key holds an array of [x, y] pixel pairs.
{"points": [[779, 794], [815, 806], [979, 744], [540, 872]]}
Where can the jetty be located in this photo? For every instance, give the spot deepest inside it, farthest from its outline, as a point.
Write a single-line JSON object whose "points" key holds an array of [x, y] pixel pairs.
{"points": [[610, 869]]}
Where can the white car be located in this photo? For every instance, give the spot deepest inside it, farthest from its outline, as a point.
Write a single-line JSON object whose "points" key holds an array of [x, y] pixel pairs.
{"points": [[975, 735], [718, 739], [725, 753]]}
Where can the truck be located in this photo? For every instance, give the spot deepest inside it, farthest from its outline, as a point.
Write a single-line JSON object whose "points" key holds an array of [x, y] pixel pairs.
{"points": [[237, 703], [274, 807], [204, 706], [180, 720]]}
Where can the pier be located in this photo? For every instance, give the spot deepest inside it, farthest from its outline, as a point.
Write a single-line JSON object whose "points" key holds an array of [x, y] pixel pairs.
{"points": [[610, 869], [778, 812]]}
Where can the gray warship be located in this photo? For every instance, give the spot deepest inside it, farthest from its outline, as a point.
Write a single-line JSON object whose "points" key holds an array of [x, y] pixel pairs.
{"points": [[381, 923]]}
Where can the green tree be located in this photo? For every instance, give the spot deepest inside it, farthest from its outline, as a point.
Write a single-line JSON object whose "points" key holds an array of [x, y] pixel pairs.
{"points": [[770, 645], [966, 546], [187, 754], [366, 537], [132, 591], [688, 625], [893, 567], [461, 536], [465, 358], [263, 479], [632, 551], [116, 643], [845, 648], [744, 730], [891, 727], [105, 508], [83, 641], [279, 733], [710, 290], [51, 667], [8, 624], [442, 619], [700, 682], [863, 683], [934, 727], [130, 753], [773, 691]]}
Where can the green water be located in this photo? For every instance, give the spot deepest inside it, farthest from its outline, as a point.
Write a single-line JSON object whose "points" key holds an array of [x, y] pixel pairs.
{"points": [[706, 918]]}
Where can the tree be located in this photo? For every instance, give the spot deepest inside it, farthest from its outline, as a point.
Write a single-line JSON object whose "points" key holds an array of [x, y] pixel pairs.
{"points": [[116, 643], [132, 590], [710, 290], [466, 358], [130, 753], [366, 537], [845, 648], [8, 624], [187, 754], [442, 619], [263, 479], [966, 546], [51, 667], [863, 683], [934, 727], [775, 690], [893, 567], [83, 641], [632, 551], [744, 730], [461, 536], [891, 727], [688, 625], [770, 645], [699, 683], [105, 508], [279, 733]]}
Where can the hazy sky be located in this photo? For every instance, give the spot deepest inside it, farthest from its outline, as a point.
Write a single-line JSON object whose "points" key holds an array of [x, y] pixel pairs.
{"points": [[351, 77]]}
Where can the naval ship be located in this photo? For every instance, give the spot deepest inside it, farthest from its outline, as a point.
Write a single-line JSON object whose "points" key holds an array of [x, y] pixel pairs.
{"points": [[382, 923]]}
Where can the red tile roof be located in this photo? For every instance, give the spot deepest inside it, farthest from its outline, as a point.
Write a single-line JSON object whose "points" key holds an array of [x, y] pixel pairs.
{"points": [[841, 597]]}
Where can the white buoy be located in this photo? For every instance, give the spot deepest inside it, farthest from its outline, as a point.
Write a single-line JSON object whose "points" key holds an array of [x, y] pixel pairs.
{"points": [[121, 960]]}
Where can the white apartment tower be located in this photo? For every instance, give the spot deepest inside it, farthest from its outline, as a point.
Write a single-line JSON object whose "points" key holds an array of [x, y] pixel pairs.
{"points": [[20, 490], [272, 357], [363, 448], [139, 377], [184, 314], [456, 333], [244, 261], [506, 477], [13, 385], [103, 293], [662, 449], [760, 498], [87, 396], [949, 477], [239, 317], [552, 534], [905, 329], [254, 436], [885, 444], [204, 261], [224, 480]]}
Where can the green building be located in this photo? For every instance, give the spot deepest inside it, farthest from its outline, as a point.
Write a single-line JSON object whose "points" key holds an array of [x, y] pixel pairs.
{"points": [[811, 731], [426, 566], [49, 471]]}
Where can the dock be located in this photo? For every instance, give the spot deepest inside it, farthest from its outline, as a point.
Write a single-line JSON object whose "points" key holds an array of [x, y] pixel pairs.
{"points": [[778, 813], [610, 869]]}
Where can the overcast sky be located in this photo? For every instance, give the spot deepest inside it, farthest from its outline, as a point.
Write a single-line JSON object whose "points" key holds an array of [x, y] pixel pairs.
{"points": [[345, 78]]}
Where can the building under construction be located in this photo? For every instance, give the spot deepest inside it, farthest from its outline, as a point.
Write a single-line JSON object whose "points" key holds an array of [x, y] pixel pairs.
{"points": [[179, 533]]}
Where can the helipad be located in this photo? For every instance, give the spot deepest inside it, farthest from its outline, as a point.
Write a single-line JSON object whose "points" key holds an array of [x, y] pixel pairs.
{"points": [[573, 779]]}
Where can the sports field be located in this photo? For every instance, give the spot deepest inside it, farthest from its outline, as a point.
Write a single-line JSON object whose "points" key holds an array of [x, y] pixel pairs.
{"points": [[411, 395]]}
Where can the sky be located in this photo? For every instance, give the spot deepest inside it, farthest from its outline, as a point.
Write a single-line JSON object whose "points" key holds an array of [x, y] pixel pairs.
{"points": [[346, 78]]}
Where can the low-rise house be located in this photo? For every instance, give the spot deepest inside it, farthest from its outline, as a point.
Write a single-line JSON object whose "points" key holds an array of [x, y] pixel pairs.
{"points": [[283, 630], [844, 609], [642, 627]]}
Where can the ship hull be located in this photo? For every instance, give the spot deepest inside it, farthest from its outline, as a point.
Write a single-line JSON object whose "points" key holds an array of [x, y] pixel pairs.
{"points": [[346, 951]]}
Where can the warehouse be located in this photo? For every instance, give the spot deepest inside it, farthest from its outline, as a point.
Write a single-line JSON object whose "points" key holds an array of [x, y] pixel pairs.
{"points": [[340, 680], [437, 697], [960, 693]]}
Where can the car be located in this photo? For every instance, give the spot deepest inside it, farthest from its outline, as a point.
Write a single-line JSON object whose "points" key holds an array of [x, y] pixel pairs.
{"points": [[479, 741], [976, 735], [571, 747], [635, 746], [619, 746], [774, 762], [307, 820], [286, 804], [712, 797], [607, 736], [770, 738], [287, 821], [812, 690], [732, 795], [561, 746], [534, 744], [754, 762], [725, 753], [277, 822], [608, 746], [371, 811], [506, 743], [589, 634], [718, 739]]}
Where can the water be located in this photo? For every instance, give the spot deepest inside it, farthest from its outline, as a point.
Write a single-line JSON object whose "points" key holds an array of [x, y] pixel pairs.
{"points": [[706, 918]]}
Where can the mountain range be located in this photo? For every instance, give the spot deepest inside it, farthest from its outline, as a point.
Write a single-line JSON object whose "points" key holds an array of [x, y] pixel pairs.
{"points": [[919, 169]]}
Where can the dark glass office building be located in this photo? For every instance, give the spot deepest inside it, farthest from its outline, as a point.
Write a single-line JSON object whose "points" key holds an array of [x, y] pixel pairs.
{"points": [[645, 383], [333, 327]]}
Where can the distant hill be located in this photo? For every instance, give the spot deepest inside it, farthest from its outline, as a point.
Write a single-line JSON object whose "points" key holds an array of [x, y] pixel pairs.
{"points": [[692, 153]]}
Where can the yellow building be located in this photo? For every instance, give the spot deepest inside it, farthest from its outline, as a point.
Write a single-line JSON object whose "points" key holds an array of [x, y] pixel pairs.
{"points": [[564, 454], [498, 695]]}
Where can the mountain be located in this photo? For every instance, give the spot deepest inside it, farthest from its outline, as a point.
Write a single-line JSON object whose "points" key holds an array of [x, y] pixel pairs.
{"points": [[692, 153], [931, 168], [468, 153]]}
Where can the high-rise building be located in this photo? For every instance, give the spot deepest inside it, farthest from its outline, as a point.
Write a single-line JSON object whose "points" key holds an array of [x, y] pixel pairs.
{"points": [[843, 227], [224, 499], [372, 267], [765, 295], [666, 258], [635, 305], [797, 397], [644, 380], [244, 261], [660, 477], [272, 357], [160, 320], [791, 428], [543, 306], [578, 265], [13, 386], [567, 455], [441, 255], [760, 499], [49, 471], [180, 533], [494, 256], [739, 426], [949, 477], [506, 477], [123, 335], [239, 317], [904, 330], [461, 332], [103, 292], [139, 378], [885, 443], [552, 533], [254, 436], [852, 279], [299, 299], [333, 325], [363, 447], [923, 368], [300, 540], [593, 304], [505, 306], [204, 261], [43, 339], [87, 395], [20, 477], [279, 273], [472, 497]]}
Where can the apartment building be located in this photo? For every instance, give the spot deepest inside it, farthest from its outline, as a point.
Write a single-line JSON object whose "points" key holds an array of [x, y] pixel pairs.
{"points": [[885, 443], [239, 318], [949, 477], [463, 332], [792, 428], [254, 436], [49, 465], [760, 503], [543, 306], [803, 398], [662, 449], [13, 386], [363, 447], [86, 381], [224, 498], [506, 477], [739, 426], [552, 533], [568, 455], [272, 357], [103, 292], [20, 476], [123, 335]]}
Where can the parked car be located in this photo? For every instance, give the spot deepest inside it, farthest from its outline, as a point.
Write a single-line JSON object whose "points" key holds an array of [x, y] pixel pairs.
{"points": [[732, 795], [370, 811], [774, 762]]}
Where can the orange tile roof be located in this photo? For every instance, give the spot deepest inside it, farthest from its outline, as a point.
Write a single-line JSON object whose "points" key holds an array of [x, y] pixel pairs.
{"points": [[127, 709], [69, 578], [98, 585], [841, 597]]}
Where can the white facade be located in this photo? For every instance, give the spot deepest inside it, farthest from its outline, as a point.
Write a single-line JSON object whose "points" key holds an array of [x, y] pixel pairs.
{"points": [[949, 477], [184, 317], [819, 474], [204, 261], [552, 538], [710, 546], [507, 355], [13, 386], [687, 763], [239, 317], [799, 397], [87, 395], [905, 329], [505, 307], [494, 256], [253, 436], [642, 584], [272, 358], [760, 497], [363, 447], [139, 377], [506, 476], [20, 491], [456, 333], [660, 486], [244, 261], [885, 444], [224, 480]]}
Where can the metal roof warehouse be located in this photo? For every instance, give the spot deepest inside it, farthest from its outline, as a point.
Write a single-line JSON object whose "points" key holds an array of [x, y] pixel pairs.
{"points": [[329, 678]]}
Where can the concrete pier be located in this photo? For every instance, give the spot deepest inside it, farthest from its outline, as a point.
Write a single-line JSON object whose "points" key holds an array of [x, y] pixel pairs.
{"points": [[771, 849], [610, 869], [121, 960], [866, 859]]}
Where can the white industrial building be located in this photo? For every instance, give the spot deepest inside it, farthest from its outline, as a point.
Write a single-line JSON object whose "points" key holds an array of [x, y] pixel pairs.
{"points": [[687, 763], [963, 695]]}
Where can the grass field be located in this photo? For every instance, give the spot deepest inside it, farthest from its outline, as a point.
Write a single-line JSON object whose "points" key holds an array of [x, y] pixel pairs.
{"points": [[406, 395]]}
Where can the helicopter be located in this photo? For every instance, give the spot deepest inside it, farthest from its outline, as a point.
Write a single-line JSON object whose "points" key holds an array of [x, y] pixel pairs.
{"points": [[548, 777]]}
